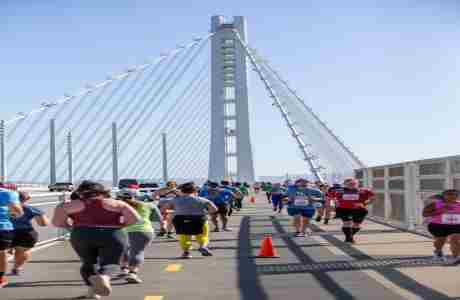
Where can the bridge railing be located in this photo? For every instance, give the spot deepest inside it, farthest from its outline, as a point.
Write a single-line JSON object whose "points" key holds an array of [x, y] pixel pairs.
{"points": [[403, 189], [47, 203]]}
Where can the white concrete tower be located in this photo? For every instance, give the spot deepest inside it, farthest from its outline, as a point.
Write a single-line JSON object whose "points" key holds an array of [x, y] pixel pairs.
{"points": [[230, 151]]}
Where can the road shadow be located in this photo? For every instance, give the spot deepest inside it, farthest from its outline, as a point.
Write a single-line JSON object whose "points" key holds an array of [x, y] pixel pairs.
{"points": [[248, 278]]}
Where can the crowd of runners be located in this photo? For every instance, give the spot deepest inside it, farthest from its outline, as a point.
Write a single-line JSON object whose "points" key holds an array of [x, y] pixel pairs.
{"points": [[111, 233]]}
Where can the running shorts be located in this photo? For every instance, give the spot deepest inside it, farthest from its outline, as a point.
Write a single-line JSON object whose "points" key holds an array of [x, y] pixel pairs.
{"points": [[443, 230], [222, 209], [307, 212], [6, 239], [25, 238], [189, 225], [357, 215]]}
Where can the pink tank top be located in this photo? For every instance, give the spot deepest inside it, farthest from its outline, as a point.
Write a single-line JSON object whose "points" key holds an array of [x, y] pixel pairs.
{"points": [[451, 217], [95, 215]]}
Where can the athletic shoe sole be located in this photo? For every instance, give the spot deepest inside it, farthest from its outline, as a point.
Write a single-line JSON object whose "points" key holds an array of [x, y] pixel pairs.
{"points": [[205, 252], [101, 286]]}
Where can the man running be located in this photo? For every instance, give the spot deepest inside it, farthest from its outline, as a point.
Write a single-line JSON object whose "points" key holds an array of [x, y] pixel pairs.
{"points": [[325, 209], [352, 203], [9, 206], [268, 191], [301, 200], [278, 194], [25, 236], [221, 199]]}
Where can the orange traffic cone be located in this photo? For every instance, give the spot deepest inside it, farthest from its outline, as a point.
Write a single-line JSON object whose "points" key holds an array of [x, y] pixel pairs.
{"points": [[267, 249], [253, 200]]}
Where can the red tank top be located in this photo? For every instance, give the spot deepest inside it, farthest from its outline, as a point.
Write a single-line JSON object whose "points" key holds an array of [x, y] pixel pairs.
{"points": [[95, 215]]}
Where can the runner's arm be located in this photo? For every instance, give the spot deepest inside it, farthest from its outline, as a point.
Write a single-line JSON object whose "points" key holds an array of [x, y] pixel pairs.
{"points": [[42, 220], [60, 218], [431, 211]]}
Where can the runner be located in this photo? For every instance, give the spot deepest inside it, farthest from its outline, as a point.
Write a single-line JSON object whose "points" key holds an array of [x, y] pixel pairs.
{"points": [[97, 237], [221, 199], [25, 237], [190, 219], [325, 209], [278, 194], [301, 200], [241, 192], [231, 196], [9, 206], [140, 235], [352, 203], [165, 206], [267, 188], [444, 223]]}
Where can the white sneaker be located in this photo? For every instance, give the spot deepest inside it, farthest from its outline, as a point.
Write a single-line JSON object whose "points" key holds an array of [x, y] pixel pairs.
{"points": [[101, 284], [92, 294], [133, 278]]}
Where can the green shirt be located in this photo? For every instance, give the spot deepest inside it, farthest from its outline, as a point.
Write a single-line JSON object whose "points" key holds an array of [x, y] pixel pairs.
{"points": [[144, 225]]}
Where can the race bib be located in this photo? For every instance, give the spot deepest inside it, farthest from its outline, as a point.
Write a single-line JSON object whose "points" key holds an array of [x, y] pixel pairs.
{"points": [[350, 197], [451, 219], [300, 201]]}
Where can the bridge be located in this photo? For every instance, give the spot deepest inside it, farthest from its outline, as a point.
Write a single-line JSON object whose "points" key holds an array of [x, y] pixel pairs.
{"points": [[184, 115]]}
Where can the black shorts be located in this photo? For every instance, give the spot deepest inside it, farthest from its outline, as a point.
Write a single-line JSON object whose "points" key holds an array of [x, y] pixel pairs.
{"points": [[357, 215], [6, 239], [222, 209], [189, 225], [443, 230], [25, 238]]}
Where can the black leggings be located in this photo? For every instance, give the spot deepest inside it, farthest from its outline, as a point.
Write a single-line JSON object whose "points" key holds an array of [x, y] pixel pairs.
{"points": [[103, 246]]}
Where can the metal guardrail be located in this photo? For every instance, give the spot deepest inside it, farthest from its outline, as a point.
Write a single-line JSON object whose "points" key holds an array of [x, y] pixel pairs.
{"points": [[403, 189]]}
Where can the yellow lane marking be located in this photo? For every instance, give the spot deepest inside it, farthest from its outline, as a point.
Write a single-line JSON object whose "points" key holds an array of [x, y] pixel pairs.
{"points": [[174, 268], [153, 298]]}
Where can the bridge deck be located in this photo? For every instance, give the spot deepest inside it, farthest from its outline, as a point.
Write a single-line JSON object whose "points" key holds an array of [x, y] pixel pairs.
{"points": [[385, 264]]}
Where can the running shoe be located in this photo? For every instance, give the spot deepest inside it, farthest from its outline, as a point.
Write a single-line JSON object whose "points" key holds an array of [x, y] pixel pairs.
{"points": [[90, 294], [124, 272], [205, 251], [438, 255], [227, 229], [133, 278], [318, 219], [456, 261], [216, 229], [16, 272], [101, 284], [170, 235], [3, 281], [300, 234], [326, 221], [349, 240], [186, 255]]}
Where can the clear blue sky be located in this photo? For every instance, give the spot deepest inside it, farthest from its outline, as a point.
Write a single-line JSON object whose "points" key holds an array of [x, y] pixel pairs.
{"points": [[383, 74]]}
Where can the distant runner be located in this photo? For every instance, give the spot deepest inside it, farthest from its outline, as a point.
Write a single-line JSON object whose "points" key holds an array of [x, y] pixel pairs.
{"points": [[301, 205]]}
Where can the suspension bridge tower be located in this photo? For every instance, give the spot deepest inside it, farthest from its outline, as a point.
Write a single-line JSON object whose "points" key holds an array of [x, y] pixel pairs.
{"points": [[230, 151]]}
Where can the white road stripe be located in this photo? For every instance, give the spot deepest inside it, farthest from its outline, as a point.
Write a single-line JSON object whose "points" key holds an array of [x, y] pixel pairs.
{"points": [[406, 294]]}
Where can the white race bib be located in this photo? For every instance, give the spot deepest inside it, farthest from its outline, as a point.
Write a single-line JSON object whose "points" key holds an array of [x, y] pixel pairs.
{"points": [[350, 197], [451, 219], [300, 201]]}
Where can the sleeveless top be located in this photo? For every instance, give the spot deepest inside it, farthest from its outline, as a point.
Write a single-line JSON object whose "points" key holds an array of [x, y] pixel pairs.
{"points": [[451, 217], [95, 215]]}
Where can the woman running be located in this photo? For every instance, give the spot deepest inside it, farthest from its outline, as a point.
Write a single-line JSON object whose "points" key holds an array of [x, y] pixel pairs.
{"points": [[352, 203], [25, 236], [444, 223], [97, 236], [190, 219], [325, 209], [140, 235], [9, 206]]}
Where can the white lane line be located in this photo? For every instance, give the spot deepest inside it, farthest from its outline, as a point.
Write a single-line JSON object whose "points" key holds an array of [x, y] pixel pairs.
{"points": [[406, 294]]}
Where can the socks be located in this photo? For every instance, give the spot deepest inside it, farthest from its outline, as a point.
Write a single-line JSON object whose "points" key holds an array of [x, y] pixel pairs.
{"points": [[2, 274], [355, 230]]}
